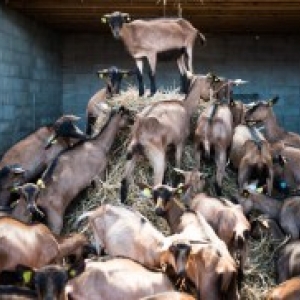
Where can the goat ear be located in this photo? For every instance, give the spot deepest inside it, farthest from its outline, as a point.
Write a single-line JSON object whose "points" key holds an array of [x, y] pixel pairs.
{"points": [[273, 101], [181, 189], [146, 189], [245, 193], [76, 269]]}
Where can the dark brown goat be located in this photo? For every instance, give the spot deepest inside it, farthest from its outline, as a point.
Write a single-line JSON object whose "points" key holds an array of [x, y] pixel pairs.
{"points": [[148, 38], [73, 171], [112, 77], [167, 123], [35, 152], [251, 155], [262, 112], [288, 262], [286, 212]]}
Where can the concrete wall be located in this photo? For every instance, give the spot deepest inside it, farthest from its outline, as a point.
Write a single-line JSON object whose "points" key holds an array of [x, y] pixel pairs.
{"points": [[270, 63], [30, 77]]}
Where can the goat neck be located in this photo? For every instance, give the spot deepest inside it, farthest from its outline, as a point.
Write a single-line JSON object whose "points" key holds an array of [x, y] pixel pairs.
{"points": [[273, 131], [107, 136], [191, 100], [174, 214], [267, 205]]}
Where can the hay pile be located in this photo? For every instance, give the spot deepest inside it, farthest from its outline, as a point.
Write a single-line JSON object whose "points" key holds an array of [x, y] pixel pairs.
{"points": [[259, 274]]}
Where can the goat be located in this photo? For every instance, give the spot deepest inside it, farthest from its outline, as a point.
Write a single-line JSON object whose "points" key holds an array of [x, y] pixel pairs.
{"points": [[72, 171], [117, 279], [113, 77], [32, 245], [48, 282], [169, 296], [146, 39], [227, 220], [211, 261], [34, 153], [124, 232], [288, 290], [214, 132], [287, 263], [264, 225], [286, 212], [262, 112], [195, 180], [163, 124], [286, 167], [251, 155]]}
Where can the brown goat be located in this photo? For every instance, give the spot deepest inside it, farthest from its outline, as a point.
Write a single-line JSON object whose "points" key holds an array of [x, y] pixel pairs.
{"points": [[288, 262], [288, 290], [228, 221], [33, 245], [211, 261], [113, 77], [34, 153], [250, 154], [148, 38], [124, 232], [262, 112], [117, 279], [72, 171], [166, 123], [286, 212], [214, 133]]}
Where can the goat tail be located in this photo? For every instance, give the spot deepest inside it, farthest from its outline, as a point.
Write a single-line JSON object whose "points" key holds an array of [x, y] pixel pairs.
{"points": [[202, 37]]}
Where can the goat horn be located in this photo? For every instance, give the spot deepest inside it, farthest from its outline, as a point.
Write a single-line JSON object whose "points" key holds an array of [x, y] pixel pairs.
{"points": [[239, 81], [179, 171]]}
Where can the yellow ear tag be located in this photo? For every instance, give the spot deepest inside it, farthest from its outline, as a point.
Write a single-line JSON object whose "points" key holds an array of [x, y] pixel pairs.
{"points": [[27, 276], [260, 190], [40, 183], [13, 189], [72, 273], [179, 191], [147, 193], [125, 75], [101, 75], [103, 20]]}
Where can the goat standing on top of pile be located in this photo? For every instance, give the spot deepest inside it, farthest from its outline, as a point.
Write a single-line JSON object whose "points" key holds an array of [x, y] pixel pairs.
{"points": [[147, 39], [113, 77], [262, 112], [166, 123], [72, 171], [250, 154]]}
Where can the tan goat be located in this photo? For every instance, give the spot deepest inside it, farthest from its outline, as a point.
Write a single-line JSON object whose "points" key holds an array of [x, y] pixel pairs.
{"points": [[124, 232], [73, 171], [148, 38], [208, 262], [251, 155], [117, 279], [166, 123], [33, 245], [214, 133]]}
